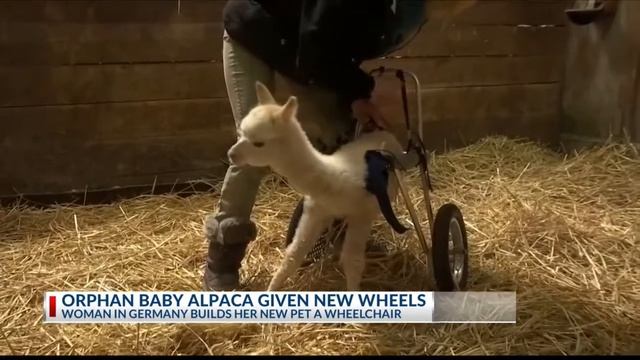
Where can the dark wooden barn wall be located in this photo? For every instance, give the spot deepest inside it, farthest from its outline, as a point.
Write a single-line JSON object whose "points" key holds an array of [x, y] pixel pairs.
{"points": [[107, 94], [601, 93]]}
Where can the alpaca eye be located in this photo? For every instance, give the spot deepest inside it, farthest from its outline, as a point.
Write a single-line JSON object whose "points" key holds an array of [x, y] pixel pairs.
{"points": [[258, 144]]}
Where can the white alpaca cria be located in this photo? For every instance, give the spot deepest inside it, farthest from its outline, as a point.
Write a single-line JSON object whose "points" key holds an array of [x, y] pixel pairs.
{"points": [[333, 185]]}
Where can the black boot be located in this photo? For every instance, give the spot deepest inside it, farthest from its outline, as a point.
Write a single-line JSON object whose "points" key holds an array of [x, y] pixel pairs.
{"points": [[228, 241]]}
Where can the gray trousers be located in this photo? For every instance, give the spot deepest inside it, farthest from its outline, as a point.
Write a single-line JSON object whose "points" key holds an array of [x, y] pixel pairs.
{"points": [[327, 125]]}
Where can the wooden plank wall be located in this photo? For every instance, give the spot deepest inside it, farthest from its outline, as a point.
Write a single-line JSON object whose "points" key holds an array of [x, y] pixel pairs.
{"points": [[601, 93], [112, 94]]}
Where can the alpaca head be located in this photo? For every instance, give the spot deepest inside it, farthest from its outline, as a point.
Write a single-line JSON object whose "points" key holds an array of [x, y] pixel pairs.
{"points": [[265, 133]]}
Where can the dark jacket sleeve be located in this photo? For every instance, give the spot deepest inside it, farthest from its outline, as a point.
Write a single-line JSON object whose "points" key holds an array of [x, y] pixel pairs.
{"points": [[324, 53]]}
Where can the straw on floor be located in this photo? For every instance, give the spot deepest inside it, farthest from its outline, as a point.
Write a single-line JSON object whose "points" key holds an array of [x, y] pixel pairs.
{"points": [[561, 231]]}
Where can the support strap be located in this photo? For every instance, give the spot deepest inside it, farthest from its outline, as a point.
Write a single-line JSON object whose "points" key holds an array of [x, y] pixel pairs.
{"points": [[405, 105], [376, 183]]}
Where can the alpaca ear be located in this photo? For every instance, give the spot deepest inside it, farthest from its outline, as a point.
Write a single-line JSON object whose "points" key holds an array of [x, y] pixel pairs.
{"points": [[290, 109], [264, 95]]}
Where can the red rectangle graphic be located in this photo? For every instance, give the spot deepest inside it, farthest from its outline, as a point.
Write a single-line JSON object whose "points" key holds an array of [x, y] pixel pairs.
{"points": [[52, 306]]}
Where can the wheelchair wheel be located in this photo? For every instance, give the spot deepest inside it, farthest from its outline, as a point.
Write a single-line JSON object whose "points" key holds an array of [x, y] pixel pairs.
{"points": [[328, 237], [450, 252]]}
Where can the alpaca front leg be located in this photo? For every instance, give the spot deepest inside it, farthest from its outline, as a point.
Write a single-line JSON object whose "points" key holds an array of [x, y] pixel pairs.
{"points": [[353, 252], [310, 227]]}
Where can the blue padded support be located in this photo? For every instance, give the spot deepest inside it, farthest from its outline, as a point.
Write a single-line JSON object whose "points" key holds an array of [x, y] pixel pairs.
{"points": [[376, 183]]}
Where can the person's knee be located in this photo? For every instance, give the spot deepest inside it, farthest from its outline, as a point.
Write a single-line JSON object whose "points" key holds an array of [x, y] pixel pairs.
{"points": [[240, 184]]}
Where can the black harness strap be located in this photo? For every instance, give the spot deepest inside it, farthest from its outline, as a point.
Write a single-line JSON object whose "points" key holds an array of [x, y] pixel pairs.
{"points": [[378, 165], [376, 183], [405, 105]]}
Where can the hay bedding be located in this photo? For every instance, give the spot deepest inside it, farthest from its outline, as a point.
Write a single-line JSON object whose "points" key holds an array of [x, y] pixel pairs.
{"points": [[562, 232]]}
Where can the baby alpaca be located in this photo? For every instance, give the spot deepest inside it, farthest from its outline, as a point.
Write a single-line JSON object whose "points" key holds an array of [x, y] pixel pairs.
{"points": [[334, 186]]}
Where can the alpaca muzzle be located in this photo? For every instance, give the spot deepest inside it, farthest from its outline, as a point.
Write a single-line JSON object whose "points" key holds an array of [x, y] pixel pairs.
{"points": [[234, 156]]}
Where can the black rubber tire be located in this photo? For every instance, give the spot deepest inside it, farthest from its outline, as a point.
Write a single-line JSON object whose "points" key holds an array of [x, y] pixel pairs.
{"points": [[440, 242]]}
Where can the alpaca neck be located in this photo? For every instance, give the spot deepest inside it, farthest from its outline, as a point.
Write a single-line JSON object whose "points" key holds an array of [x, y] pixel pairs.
{"points": [[306, 169]]}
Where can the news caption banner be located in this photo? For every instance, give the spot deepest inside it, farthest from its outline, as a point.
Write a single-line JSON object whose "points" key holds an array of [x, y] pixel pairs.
{"points": [[67, 307]]}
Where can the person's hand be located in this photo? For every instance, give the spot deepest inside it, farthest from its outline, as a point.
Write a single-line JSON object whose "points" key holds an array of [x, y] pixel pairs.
{"points": [[365, 112]]}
